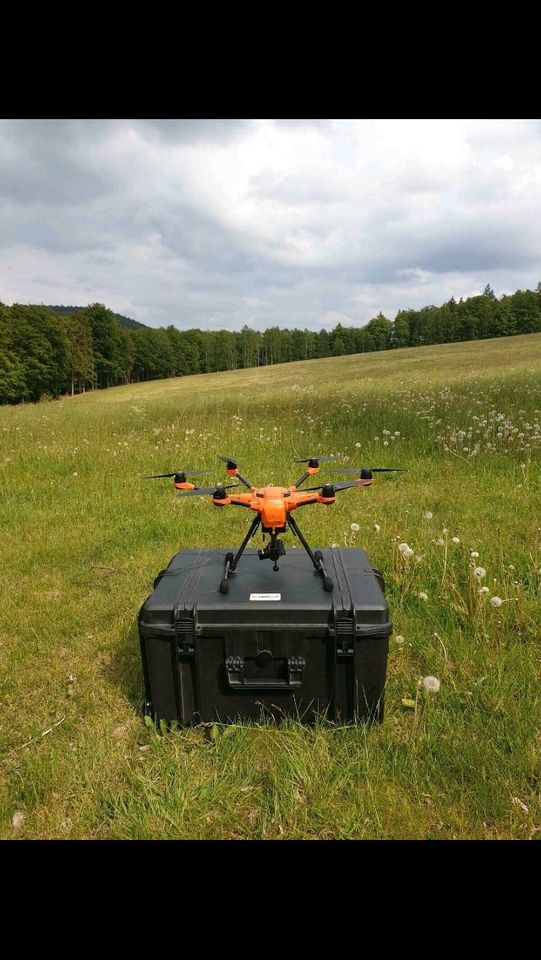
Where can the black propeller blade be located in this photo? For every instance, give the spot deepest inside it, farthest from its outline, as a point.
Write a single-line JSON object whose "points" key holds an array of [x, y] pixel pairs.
{"points": [[177, 473], [365, 472], [232, 464], [330, 488], [204, 491], [313, 461]]}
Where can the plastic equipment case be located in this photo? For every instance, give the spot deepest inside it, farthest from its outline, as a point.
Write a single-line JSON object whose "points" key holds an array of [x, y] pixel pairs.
{"points": [[276, 644]]}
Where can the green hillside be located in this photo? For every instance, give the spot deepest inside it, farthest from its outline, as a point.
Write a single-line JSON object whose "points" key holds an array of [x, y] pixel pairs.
{"points": [[84, 536]]}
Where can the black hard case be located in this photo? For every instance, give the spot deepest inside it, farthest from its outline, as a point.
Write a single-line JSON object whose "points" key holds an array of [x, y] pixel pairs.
{"points": [[214, 657]]}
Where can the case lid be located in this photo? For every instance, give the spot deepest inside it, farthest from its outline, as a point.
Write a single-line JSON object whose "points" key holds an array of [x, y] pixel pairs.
{"points": [[262, 599]]}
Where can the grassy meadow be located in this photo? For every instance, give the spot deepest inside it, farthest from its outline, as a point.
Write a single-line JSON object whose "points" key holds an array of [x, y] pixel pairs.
{"points": [[83, 537]]}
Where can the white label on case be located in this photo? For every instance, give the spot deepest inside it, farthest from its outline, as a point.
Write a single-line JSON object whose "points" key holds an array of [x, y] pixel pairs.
{"points": [[265, 596]]}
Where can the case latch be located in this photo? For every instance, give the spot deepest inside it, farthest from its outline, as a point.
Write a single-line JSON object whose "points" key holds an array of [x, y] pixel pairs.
{"points": [[185, 634], [345, 638]]}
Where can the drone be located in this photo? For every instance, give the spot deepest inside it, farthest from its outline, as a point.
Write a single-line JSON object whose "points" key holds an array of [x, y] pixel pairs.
{"points": [[273, 507]]}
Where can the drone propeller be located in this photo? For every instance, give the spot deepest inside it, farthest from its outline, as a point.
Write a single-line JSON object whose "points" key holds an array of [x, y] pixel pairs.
{"points": [[204, 491], [365, 473], [232, 464], [313, 461], [331, 488], [177, 473]]}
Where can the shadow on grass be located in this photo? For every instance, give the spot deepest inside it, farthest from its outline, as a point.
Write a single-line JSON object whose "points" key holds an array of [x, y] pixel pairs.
{"points": [[125, 669]]}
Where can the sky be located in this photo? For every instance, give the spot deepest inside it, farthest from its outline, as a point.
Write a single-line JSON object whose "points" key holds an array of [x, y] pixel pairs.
{"points": [[295, 223]]}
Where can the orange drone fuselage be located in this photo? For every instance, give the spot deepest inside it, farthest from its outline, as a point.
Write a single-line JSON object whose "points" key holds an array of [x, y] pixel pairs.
{"points": [[275, 503]]}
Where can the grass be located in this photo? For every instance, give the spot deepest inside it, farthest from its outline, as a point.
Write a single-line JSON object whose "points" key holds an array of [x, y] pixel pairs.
{"points": [[83, 537]]}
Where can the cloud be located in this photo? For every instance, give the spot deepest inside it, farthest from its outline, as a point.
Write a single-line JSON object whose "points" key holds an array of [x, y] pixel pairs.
{"points": [[220, 223]]}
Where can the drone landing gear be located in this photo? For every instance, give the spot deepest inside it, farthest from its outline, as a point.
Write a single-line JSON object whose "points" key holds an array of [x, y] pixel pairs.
{"points": [[273, 551], [231, 561], [316, 558]]}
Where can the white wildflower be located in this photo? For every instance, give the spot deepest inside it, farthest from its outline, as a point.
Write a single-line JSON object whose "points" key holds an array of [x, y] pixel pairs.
{"points": [[431, 684], [357, 444], [473, 554], [479, 572], [496, 601], [355, 527], [405, 550], [400, 639]]}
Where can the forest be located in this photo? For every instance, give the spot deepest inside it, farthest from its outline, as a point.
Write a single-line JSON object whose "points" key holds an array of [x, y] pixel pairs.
{"points": [[46, 352]]}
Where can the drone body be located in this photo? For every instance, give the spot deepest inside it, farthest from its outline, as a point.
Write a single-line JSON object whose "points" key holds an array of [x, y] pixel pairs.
{"points": [[273, 507], [274, 504]]}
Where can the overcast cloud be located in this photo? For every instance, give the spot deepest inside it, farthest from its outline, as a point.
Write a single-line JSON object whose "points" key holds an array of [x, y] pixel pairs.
{"points": [[217, 223]]}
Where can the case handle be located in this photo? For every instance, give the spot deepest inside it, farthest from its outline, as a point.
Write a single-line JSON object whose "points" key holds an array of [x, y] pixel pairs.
{"points": [[236, 678]]}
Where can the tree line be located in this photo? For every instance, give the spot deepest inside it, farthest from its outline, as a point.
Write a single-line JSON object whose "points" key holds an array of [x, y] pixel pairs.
{"points": [[45, 354]]}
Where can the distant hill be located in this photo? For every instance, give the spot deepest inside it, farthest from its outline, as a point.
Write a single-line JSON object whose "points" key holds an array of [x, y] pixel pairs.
{"points": [[125, 321]]}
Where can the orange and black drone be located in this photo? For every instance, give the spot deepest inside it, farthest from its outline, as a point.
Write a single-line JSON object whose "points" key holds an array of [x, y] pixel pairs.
{"points": [[273, 506]]}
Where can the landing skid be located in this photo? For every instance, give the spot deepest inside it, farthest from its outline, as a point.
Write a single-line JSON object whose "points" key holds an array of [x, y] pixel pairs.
{"points": [[273, 551]]}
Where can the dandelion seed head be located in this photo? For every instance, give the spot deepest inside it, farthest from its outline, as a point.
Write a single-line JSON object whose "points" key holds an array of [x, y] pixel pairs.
{"points": [[405, 550], [473, 554], [354, 527], [455, 540], [479, 572], [496, 601], [400, 639], [428, 515], [483, 590], [422, 595], [431, 684]]}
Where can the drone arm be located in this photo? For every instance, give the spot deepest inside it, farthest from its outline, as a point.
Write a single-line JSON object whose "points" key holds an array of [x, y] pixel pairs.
{"points": [[302, 479], [241, 500], [244, 481], [302, 500], [233, 472]]}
